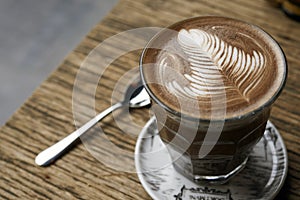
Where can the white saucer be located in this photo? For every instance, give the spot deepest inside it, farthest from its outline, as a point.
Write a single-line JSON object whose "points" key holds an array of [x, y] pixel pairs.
{"points": [[262, 177]]}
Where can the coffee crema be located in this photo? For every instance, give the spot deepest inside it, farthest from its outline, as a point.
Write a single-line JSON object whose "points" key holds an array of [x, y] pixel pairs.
{"points": [[208, 64]]}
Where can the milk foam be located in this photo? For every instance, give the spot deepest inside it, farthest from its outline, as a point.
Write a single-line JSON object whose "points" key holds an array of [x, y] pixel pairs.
{"points": [[195, 63], [214, 65]]}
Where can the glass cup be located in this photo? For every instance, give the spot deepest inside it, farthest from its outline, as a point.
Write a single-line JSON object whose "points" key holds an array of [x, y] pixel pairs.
{"points": [[205, 149]]}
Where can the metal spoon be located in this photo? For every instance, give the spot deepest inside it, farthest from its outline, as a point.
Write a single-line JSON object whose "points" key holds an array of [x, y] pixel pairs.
{"points": [[136, 96]]}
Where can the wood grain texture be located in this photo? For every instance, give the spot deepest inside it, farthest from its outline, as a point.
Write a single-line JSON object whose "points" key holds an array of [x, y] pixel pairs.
{"points": [[47, 115]]}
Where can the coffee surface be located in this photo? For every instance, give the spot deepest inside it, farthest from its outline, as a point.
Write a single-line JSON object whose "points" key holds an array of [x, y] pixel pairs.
{"points": [[213, 67]]}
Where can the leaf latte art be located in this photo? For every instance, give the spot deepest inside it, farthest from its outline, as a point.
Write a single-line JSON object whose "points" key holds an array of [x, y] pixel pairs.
{"points": [[211, 64], [215, 66]]}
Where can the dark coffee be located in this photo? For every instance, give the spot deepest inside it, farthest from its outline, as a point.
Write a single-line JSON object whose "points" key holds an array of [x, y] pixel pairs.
{"points": [[212, 70]]}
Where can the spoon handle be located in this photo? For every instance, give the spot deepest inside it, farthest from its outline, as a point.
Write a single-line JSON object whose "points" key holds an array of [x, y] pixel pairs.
{"points": [[50, 154]]}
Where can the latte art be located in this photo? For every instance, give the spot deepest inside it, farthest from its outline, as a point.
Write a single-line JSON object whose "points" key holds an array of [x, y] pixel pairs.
{"points": [[211, 64], [214, 64]]}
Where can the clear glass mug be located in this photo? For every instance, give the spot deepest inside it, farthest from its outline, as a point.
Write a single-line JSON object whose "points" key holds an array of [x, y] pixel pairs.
{"points": [[210, 150]]}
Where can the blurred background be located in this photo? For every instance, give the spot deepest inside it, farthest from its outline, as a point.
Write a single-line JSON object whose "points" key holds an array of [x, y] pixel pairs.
{"points": [[35, 36]]}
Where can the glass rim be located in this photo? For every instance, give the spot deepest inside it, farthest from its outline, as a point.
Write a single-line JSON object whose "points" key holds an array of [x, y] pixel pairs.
{"points": [[268, 103]]}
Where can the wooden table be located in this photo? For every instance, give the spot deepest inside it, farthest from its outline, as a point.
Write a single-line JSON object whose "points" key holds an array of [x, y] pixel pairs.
{"points": [[47, 115]]}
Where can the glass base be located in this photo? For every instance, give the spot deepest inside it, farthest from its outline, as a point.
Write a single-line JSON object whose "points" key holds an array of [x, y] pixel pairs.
{"points": [[214, 179], [261, 179]]}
